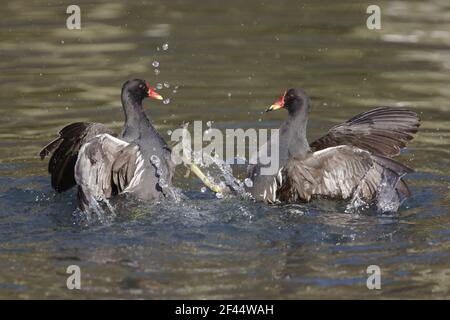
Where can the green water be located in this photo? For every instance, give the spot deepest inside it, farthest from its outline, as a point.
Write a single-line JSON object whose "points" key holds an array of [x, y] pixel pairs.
{"points": [[229, 61]]}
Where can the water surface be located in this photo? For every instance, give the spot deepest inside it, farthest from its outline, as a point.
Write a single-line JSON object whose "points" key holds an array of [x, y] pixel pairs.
{"points": [[229, 61]]}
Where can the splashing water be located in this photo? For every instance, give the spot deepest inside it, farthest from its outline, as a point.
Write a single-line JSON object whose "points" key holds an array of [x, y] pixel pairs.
{"points": [[168, 191], [154, 159], [99, 210], [356, 204], [226, 177], [388, 199]]}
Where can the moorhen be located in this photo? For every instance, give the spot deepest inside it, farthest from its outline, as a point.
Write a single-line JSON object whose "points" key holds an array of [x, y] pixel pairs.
{"points": [[91, 156], [352, 161]]}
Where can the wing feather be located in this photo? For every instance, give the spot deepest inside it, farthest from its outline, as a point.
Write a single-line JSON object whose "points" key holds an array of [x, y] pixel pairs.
{"points": [[338, 172], [384, 131], [106, 165], [65, 150]]}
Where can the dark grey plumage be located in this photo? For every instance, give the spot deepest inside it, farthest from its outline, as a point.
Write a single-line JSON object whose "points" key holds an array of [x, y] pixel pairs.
{"points": [[350, 162], [65, 152], [90, 156], [383, 131], [341, 172]]}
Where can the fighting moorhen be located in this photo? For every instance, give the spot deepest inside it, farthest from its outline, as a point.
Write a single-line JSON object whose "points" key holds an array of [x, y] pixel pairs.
{"points": [[90, 156], [352, 161]]}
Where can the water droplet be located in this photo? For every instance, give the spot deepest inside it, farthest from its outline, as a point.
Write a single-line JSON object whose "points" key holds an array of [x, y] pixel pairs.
{"points": [[248, 182], [156, 71], [62, 41], [169, 132], [209, 123], [166, 101], [159, 86], [155, 64], [165, 46], [219, 195], [229, 94], [166, 84], [203, 189], [155, 160], [162, 183]]}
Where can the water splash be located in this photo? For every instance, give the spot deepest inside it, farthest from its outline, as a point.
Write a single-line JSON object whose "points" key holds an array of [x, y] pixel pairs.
{"points": [[388, 199], [99, 210], [356, 205], [225, 178], [168, 191], [248, 182]]}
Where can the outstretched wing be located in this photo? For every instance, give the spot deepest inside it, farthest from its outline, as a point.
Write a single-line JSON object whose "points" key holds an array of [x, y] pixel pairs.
{"points": [[65, 151], [382, 131], [106, 165], [337, 172]]}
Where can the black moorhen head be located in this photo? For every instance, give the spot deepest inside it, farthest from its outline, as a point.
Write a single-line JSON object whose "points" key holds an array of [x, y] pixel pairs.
{"points": [[352, 161], [139, 89], [293, 100]]}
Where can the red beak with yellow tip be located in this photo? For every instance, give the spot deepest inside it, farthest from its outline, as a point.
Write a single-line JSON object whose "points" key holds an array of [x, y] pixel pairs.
{"points": [[278, 104], [154, 95]]}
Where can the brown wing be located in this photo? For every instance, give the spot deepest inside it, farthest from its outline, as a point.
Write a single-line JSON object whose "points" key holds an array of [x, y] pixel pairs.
{"points": [[337, 172], [382, 131], [106, 165], [65, 152]]}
